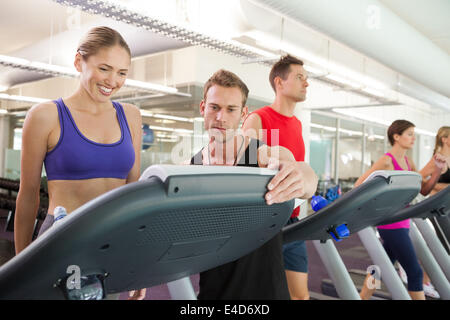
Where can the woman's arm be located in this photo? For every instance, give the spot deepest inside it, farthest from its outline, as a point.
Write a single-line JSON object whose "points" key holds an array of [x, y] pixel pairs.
{"points": [[431, 173], [438, 187], [135, 122], [384, 163], [36, 129]]}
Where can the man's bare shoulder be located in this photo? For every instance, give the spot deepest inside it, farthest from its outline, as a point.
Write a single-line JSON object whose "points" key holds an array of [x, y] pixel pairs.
{"points": [[252, 125]]}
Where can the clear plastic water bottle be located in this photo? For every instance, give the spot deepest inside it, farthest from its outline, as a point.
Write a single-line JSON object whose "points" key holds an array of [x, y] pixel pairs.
{"points": [[59, 213]]}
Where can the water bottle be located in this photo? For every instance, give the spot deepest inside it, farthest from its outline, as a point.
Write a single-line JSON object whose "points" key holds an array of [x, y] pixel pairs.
{"points": [[338, 232], [318, 202], [58, 214]]}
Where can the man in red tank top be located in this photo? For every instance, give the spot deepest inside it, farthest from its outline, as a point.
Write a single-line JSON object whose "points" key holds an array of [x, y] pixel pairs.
{"points": [[277, 125]]}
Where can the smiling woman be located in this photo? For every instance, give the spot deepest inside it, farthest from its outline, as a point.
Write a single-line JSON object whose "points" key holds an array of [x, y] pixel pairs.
{"points": [[88, 143], [103, 59]]}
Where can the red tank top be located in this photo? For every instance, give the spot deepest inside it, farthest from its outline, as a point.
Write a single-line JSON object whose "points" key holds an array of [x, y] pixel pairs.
{"points": [[283, 131]]}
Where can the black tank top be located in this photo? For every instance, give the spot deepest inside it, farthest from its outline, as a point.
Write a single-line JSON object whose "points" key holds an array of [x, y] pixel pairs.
{"points": [[248, 160], [260, 274], [445, 177]]}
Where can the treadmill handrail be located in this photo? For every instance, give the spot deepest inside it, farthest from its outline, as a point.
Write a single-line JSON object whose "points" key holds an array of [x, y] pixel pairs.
{"points": [[363, 206], [435, 205], [159, 231]]}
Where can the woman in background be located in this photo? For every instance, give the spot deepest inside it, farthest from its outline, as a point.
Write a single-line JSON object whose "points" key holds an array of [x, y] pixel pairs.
{"points": [[395, 236]]}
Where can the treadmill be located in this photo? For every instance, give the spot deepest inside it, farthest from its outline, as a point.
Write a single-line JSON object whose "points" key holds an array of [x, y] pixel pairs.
{"points": [[383, 193], [429, 250], [176, 221], [366, 205]]}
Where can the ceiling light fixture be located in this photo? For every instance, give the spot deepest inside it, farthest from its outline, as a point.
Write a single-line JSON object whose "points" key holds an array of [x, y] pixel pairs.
{"points": [[351, 113], [146, 113], [4, 96], [156, 128], [123, 14], [168, 117], [58, 71]]}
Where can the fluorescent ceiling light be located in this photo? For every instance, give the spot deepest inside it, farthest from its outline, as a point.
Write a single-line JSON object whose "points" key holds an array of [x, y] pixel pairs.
{"points": [[4, 96], [146, 113], [49, 69], [53, 69], [131, 16], [154, 87], [272, 43], [3, 111], [162, 128], [168, 117], [171, 129], [56, 71], [137, 98], [11, 61], [375, 136], [319, 126], [351, 113], [165, 135], [378, 121], [166, 140], [425, 132], [350, 132], [18, 114]]}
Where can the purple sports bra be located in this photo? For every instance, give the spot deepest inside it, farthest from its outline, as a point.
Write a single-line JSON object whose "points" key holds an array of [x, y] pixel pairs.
{"points": [[75, 157], [403, 223]]}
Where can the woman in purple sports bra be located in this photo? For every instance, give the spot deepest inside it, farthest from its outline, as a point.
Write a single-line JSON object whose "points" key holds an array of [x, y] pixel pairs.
{"points": [[396, 240], [88, 143]]}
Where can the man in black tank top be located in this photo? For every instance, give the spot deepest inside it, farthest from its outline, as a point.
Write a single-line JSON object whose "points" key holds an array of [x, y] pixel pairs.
{"points": [[259, 274]]}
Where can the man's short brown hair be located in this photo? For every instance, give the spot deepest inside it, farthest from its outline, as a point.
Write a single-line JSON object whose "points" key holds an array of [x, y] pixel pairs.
{"points": [[282, 68], [226, 79]]}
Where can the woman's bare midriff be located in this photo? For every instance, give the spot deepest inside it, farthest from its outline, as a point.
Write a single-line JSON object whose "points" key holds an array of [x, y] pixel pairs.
{"points": [[71, 194]]}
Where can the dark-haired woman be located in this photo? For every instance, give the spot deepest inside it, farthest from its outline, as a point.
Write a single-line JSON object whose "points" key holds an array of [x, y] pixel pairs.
{"points": [[395, 236]]}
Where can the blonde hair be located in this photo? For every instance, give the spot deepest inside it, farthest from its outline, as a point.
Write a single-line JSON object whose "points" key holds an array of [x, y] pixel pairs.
{"points": [[443, 132], [98, 38]]}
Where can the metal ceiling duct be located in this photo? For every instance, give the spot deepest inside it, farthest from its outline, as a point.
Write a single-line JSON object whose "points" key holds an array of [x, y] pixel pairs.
{"points": [[375, 31], [61, 48]]}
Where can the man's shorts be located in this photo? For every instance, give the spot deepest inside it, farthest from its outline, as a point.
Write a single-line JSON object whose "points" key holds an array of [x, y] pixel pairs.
{"points": [[295, 254]]}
